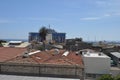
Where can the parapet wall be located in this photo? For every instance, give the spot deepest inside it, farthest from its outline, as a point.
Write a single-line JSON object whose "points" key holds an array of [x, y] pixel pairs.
{"points": [[43, 70]]}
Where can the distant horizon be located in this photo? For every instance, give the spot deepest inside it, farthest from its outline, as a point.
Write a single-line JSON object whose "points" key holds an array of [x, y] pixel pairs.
{"points": [[93, 20], [69, 38]]}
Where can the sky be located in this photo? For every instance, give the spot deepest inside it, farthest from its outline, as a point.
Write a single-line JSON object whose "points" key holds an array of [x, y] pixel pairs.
{"points": [[89, 19]]}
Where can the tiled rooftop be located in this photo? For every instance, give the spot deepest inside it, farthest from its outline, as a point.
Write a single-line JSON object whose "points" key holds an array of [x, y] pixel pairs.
{"points": [[48, 57], [7, 53]]}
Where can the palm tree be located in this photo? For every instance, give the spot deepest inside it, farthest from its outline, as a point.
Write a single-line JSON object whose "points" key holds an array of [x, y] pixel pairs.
{"points": [[43, 32]]}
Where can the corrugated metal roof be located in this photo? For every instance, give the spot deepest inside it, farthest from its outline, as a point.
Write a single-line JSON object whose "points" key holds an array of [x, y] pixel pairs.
{"points": [[117, 54]]}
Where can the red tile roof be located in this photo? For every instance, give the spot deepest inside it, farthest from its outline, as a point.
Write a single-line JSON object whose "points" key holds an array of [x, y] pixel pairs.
{"points": [[7, 53], [47, 57]]}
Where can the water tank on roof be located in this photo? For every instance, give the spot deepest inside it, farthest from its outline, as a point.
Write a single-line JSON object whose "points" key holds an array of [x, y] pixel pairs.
{"points": [[65, 53], [25, 55], [56, 51]]}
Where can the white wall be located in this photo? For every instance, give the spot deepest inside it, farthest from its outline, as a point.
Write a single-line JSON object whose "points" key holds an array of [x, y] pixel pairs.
{"points": [[49, 37], [97, 65]]}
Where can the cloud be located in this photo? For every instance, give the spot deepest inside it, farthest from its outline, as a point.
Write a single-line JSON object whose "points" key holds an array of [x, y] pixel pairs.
{"points": [[96, 18], [90, 18], [6, 21]]}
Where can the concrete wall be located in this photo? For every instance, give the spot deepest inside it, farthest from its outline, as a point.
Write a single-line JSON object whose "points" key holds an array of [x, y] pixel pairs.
{"points": [[43, 69], [97, 65], [115, 71]]}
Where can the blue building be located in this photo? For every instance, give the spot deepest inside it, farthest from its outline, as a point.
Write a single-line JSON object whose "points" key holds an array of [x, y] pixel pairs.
{"points": [[51, 36], [59, 37], [34, 36]]}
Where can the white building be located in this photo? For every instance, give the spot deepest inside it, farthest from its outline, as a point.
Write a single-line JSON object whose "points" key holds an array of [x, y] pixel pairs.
{"points": [[116, 58], [49, 38], [19, 44], [96, 64]]}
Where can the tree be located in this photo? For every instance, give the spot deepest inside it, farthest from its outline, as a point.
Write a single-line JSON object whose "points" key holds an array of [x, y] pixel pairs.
{"points": [[109, 77], [106, 77], [117, 77], [43, 32]]}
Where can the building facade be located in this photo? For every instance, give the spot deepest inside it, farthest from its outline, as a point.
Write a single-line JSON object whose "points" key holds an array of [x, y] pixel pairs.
{"points": [[34, 36], [116, 58], [96, 64], [51, 37], [58, 37]]}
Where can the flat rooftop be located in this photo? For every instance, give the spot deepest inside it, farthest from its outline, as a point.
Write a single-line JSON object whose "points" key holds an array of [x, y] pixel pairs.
{"points": [[116, 54], [98, 55], [49, 57]]}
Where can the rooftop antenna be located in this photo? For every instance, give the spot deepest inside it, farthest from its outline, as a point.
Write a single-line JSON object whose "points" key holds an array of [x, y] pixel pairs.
{"points": [[95, 38], [49, 26]]}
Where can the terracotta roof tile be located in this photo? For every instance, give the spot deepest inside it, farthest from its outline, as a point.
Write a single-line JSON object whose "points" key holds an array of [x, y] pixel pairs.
{"points": [[19, 59], [47, 57], [7, 53]]}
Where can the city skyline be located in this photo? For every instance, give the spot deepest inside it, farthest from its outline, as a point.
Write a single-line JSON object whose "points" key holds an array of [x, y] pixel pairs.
{"points": [[90, 19]]}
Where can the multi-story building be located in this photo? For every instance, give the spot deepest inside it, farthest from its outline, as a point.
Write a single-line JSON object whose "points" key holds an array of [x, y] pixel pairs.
{"points": [[34, 36], [56, 37], [51, 36], [96, 64]]}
